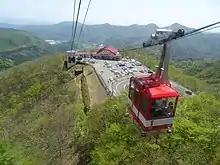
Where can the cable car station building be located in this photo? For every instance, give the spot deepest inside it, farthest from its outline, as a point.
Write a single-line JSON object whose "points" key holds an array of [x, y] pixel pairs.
{"points": [[105, 53], [108, 53]]}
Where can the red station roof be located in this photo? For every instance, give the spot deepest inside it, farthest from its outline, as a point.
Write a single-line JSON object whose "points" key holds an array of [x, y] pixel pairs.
{"points": [[163, 91], [108, 48]]}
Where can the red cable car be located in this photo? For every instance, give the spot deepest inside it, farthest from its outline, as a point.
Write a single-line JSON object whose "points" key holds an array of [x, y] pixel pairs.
{"points": [[152, 100]]}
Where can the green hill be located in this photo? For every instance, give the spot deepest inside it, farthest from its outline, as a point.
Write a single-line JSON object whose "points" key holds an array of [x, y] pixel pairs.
{"points": [[206, 70], [42, 121], [20, 46]]}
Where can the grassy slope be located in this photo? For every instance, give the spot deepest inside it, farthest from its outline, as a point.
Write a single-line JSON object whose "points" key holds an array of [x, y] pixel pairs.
{"points": [[37, 98], [12, 39], [206, 70], [38, 101], [21, 46]]}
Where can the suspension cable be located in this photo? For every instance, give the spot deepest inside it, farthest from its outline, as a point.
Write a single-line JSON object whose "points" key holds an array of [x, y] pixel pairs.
{"points": [[83, 22], [77, 17], [74, 9], [201, 31]]}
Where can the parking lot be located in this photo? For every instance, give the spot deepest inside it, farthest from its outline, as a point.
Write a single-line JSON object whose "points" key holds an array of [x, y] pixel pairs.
{"points": [[114, 70], [116, 74]]}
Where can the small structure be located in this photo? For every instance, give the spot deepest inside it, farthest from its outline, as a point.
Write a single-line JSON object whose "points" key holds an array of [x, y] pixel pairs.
{"points": [[78, 71], [71, 56]]}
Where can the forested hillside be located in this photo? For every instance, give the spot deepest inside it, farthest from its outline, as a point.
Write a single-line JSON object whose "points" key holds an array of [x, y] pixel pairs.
{"points": [[38, 106], [20, 46], [203, 69], [42, 121]]}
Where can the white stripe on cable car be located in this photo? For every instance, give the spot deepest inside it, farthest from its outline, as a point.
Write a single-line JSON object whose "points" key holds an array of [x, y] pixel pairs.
{"points": [[147, 123]]}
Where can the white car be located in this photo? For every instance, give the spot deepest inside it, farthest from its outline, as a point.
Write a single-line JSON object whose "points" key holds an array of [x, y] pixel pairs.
{"points": [[134, 70], [110, 79]]}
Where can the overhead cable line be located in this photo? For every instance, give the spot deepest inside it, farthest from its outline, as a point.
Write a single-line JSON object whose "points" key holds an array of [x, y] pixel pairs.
{"points": [[74, 9], [77, 17], [191, 33], [80, 33], [201, 31]]}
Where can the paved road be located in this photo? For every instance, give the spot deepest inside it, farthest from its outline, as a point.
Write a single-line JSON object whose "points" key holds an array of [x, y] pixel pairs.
{"points": [[118, 85]]}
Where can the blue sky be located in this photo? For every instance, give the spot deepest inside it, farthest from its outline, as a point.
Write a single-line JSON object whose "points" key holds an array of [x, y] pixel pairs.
{"points": [[192, 13]]}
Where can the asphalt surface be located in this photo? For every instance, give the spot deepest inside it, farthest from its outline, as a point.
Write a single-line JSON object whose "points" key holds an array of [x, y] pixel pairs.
{"points": [[119, 83]]}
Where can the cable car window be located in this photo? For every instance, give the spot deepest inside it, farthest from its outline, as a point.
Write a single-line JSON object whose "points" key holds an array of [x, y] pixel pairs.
{"points": [[131, 88], [170, 105], [163, 107], [144, 102], [136, 96], [158, 108]]}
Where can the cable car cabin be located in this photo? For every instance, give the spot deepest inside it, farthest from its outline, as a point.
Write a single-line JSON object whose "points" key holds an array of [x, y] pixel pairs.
{"points": [[152, 106]]}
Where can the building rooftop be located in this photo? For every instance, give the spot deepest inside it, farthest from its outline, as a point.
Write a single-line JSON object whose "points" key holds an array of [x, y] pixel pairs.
{"points": [[109, 48]]}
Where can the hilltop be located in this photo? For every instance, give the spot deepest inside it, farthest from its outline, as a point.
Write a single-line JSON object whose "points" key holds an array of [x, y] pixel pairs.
{"points": [[203, 45], [20, 45]]}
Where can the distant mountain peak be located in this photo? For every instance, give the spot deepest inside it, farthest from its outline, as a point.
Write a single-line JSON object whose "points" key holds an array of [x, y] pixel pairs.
{"points": [[176, 24], [107, 24], [151, 24]]}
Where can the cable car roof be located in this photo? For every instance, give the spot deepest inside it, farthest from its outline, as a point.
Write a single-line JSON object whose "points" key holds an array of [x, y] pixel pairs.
{"points": [[163, 91]]}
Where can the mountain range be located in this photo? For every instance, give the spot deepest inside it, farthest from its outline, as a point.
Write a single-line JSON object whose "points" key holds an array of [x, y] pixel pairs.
{"points": [[201, 45]]}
